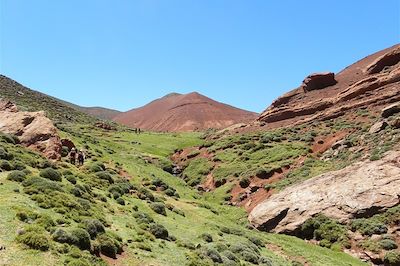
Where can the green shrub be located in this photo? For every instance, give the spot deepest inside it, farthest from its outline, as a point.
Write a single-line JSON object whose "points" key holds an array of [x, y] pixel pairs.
{"points": [[388, 244], [8, 138], [5, 165], [81, 238], [120, 201], [35, 239], [213, 255], [256, 241], [97, 167], [109, 244], [105, 176], [51, 174], [64, 151], [34, 185], [159, 231], [244, 182], [368, 227], [78, 237], [207, 237], [17, 176], [158, 207], [94, 227], [18, 165], [143, 218], [71, 179], [392, 258]]}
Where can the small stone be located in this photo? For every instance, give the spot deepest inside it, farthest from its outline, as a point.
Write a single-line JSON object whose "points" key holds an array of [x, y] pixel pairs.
{"points": [[378, 126]]}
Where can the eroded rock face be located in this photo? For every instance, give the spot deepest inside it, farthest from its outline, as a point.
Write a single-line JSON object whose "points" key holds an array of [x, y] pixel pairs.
{"points": [[318, 81], [369, 83], [33, 129], [360, 190]]}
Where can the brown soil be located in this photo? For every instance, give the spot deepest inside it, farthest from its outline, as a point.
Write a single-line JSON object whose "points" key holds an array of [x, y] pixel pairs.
{"points": [[322, 144], [184, 112]]}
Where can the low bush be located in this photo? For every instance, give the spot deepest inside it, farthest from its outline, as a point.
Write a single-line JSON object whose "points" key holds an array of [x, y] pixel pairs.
{"points": [[244, 182], [97, 167], [158, 207], [392, 258], [206, 237], [368, 227], [388, 244], [71, 179], [5, 165], [120, 201], [108, 244], [35, 238], [159, 231], [78, 237], [17, 176], [94, 227], [105, 176], [51, 174], [34, 185]]}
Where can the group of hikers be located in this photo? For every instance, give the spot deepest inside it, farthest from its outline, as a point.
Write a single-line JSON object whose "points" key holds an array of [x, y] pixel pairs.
{"points": [[137, 130], [75, 156]]}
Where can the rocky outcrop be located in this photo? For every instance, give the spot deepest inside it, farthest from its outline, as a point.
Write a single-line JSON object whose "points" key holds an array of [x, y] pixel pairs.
{"points": [[389, 59], [67, 143], [318, 81], [391, 110], [357, 86], [360, 190], [33, 129]]}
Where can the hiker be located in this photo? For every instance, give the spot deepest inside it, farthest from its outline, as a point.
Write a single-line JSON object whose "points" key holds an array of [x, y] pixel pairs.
{"points": [[81, 157], [72, 156]]}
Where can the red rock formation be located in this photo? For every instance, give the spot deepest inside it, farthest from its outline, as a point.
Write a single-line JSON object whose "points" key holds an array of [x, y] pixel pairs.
{"points": [[371, 82], [318, 81]]}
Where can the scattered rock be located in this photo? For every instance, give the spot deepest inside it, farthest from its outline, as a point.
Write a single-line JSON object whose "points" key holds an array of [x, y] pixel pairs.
{"points": [[396, 123], [390, 110], [104, 126], [318, 81], [33, 129], [8, 106], [360, 190], [378, 126]]}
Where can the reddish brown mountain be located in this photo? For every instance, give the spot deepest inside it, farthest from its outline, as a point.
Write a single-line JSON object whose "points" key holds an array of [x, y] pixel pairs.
{"points": [[184, 112], [372, 82]]}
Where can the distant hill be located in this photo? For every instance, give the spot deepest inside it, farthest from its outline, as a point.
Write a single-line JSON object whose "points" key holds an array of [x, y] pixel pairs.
{"points": [[31, 100], [184, 112]]}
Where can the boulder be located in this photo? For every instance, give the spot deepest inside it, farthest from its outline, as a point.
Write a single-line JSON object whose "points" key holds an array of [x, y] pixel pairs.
{"points": [[33, 129], [387, 60], [360, 190], [318, 81], [390, 110], [396, 123], [378, 126], [8, 106]]}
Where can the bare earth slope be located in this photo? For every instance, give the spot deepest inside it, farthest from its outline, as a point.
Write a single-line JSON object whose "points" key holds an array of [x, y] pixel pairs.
{"points": [[184, 112], [371, 82]]}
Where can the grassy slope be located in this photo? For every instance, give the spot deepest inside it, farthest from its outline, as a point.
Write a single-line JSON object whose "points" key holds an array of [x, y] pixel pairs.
{"points": [[202, 214]]}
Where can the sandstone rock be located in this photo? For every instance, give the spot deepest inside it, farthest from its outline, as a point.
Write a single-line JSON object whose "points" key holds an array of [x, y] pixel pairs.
{"points": [[389, 59], [391, 110], [318, 81], [359, 190], [378, 126], [33, 129], [8, 106], [395, 123]]}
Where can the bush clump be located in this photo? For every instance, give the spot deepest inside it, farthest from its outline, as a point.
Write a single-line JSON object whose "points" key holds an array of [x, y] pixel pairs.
{"points": [[207, 237], [78, 237], [244, 182], [5, 165], [159, 231], [105, 176], [17, 176], [51, 174], [388, 244], [392, 258], [108, 244], [94, 227], [35, 238], [97, 167], [158, 207], [368, 227]]}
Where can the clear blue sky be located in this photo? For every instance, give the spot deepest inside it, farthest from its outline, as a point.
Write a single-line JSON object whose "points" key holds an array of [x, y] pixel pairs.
{"points": [[122, 54]]}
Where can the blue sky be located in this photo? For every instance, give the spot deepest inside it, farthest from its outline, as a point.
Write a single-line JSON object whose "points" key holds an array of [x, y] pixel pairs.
{"points": [[122, 54]]}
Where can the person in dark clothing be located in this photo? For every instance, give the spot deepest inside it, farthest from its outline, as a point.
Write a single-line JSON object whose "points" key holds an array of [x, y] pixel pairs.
{"points": [[72, 156], [81, 157]]}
